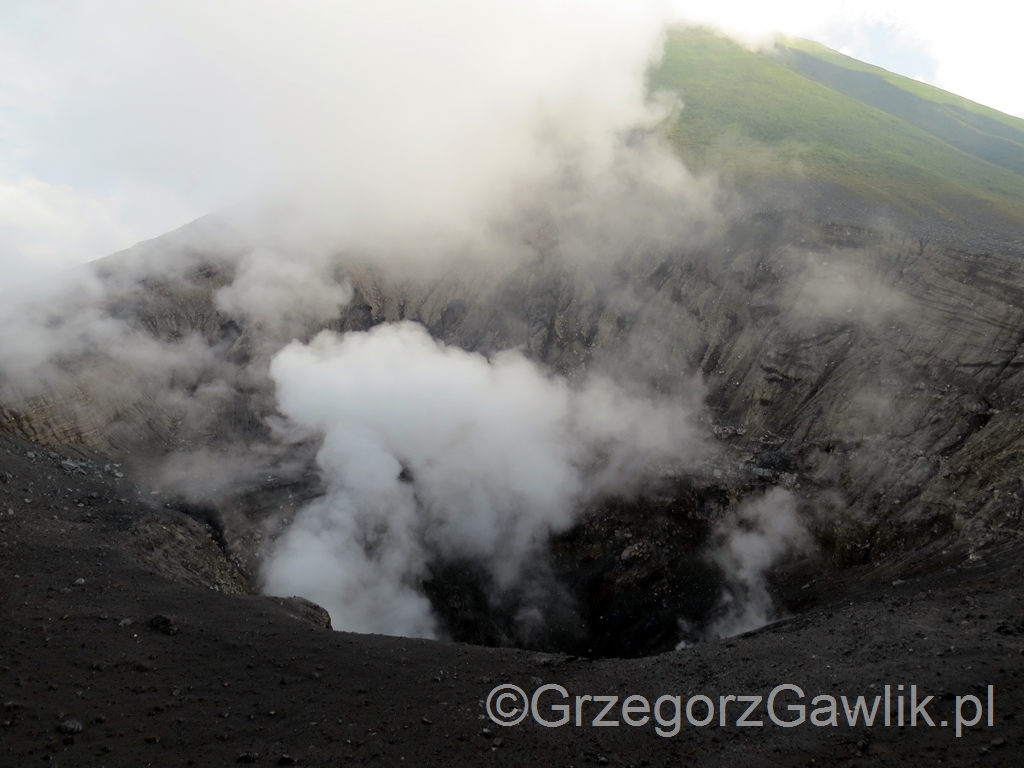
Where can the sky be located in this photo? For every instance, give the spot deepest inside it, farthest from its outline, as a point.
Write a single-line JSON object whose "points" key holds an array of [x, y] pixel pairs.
{"points": [[121, 120]]}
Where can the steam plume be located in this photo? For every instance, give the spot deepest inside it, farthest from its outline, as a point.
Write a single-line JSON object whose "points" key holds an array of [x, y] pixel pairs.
{"points": [[759, 534], [433, 452]]}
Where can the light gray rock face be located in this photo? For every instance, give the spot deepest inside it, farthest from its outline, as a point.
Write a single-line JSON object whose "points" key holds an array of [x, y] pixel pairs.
{"points": [[877, 375]]}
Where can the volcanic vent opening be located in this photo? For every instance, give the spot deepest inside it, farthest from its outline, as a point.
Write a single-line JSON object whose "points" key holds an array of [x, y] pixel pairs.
{"points": [[638, 576]]}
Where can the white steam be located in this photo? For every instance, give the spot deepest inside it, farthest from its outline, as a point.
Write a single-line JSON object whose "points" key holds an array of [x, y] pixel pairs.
{"points": [[393, 132], [283, 295], [751, 541], [433, 452], [385, 121], [49, 334]]}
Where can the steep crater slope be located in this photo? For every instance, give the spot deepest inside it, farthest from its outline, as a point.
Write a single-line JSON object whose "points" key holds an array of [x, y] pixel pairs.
{"points": [[874, 375]]}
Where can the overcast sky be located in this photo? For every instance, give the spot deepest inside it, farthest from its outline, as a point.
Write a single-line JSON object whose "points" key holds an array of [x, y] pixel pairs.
{"points": [[123, 119]]}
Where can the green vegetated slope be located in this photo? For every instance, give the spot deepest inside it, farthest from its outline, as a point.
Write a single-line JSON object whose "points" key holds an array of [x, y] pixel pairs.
{"points": [[804, 112], [973, 128]]}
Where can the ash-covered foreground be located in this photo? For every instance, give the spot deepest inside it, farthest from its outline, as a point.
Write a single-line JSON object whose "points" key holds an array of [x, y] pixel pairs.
{"points": [[228, 679]]}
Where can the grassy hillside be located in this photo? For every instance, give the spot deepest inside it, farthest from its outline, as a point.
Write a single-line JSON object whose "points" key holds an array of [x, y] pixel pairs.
{"points": [[759, 116], [923, 90], [984, 133]]}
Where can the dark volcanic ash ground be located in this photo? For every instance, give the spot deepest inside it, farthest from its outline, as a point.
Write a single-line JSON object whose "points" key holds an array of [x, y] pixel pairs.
{"points": [[157, 672]]}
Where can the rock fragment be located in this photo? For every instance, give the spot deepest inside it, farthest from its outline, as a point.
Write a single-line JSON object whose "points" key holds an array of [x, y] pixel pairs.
{"points": [[164, 624], [70, 727]]}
